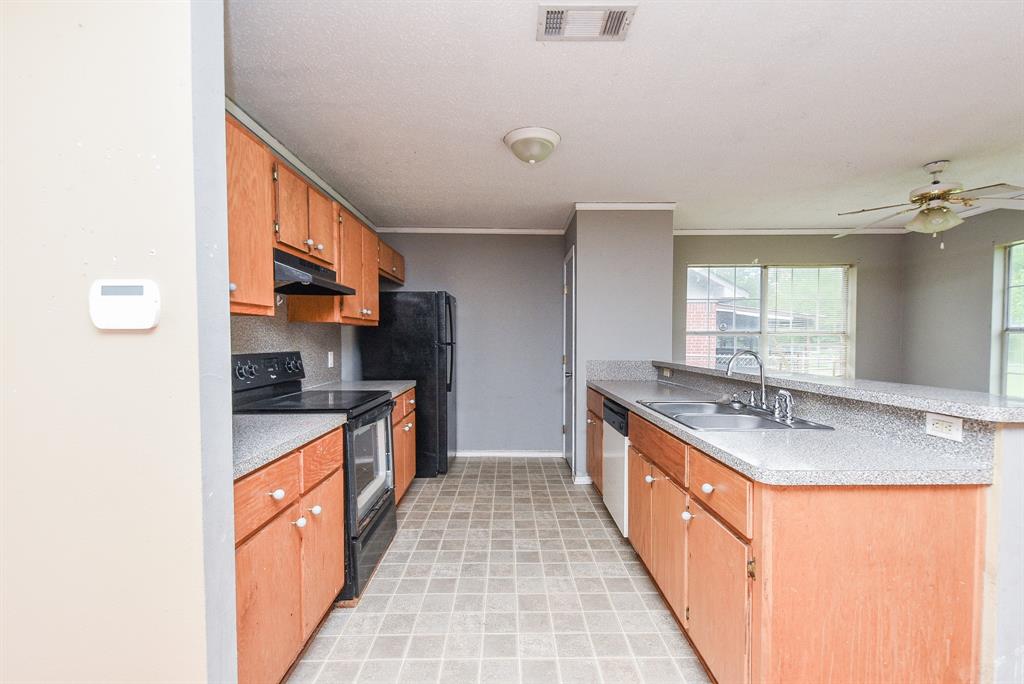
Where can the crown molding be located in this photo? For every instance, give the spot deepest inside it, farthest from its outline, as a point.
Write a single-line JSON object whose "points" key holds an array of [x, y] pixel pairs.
{"points": [[625, 206], [784, 232], [471, 231]]}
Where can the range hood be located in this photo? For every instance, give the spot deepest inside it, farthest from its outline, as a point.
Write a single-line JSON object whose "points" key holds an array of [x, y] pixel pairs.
{"points": [[294, 275]]}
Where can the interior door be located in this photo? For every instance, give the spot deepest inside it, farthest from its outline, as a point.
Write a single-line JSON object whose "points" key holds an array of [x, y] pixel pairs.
{"points": [[569, 359], [718, 595]]}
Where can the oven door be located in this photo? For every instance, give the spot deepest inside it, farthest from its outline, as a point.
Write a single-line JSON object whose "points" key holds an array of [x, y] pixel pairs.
{"points": [[368, 459]]}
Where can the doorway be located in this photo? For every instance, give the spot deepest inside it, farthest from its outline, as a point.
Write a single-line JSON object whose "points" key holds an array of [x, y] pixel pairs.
{"points": [[569, 359]]}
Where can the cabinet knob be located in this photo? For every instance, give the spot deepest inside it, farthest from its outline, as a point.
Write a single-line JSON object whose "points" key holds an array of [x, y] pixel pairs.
{"points": [[277, 494], [309, 242], [394, 269], [648, 479], [408, 426], [707, 488], [412, 402], [320, 247], [589, 422], [316, 510], [687, 516], [301, 522], [232, 287]]}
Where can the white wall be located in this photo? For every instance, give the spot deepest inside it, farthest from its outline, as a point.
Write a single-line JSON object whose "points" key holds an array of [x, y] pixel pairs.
{"points": [[117, 560]]}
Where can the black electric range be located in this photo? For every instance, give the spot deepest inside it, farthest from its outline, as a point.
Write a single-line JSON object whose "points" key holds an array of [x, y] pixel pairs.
{"points": [[272, 383]]}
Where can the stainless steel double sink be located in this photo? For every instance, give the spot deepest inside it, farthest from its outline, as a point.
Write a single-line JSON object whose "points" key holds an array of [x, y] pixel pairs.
{"points": [[709, 415]]}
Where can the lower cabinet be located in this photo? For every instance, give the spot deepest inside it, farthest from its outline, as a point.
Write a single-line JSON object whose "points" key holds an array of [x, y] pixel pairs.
{"points": [[669, 542], [717, 596], [323, 549], [639, 478], [595, 448], [268, 594], [290, 562], [403, 438]]}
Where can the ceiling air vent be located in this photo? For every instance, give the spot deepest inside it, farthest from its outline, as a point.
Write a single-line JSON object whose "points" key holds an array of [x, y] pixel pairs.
{"points": [[584, 22]]}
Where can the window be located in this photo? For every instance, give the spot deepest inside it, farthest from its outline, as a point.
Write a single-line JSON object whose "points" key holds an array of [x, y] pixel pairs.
{"points": [[796, 317], [1013, 322]]}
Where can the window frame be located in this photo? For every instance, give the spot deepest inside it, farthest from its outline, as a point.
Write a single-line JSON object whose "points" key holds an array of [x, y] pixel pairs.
{"points": [[762, 333], [1005, 329]]}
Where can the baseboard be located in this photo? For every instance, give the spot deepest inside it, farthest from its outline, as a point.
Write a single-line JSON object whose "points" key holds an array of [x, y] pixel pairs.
{"points": [[508, 454], [582, 480]]}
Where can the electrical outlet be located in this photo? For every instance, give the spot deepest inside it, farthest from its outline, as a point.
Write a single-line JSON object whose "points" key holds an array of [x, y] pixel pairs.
{"points": [[946, 427], [666, 372], [330, 359]]}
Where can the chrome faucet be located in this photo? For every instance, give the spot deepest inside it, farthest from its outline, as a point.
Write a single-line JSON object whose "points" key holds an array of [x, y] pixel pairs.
{"points": [[760, 364], [783, 409]]}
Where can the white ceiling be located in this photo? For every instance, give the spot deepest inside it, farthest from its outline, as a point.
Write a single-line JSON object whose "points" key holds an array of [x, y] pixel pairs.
{"points": [[751, 115]]}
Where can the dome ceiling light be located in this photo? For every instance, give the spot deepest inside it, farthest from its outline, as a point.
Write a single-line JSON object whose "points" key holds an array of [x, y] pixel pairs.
{"points": [[532, 144]]}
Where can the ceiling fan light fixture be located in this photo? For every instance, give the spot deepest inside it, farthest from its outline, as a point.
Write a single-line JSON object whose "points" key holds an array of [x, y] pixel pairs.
{"points": [[934, 220], [532, 144]]}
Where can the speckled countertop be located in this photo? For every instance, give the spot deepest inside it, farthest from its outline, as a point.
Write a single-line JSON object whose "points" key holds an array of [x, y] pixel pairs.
{"points": [[261, 438], [965, 404], [802, 457]]}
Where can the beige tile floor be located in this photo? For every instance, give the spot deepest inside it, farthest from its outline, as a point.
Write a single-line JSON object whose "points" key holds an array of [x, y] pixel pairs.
{"points": [[504, 571]]}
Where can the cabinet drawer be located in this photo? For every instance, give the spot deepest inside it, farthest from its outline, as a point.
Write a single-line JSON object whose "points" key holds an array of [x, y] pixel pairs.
{"points": [[595, 402], [664, 450], [321, 458], [254, 501], [731, 493], [405, 403]]}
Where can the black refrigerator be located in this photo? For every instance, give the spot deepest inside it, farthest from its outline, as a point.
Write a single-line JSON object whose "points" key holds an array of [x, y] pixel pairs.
{"points": [[415, 340]]}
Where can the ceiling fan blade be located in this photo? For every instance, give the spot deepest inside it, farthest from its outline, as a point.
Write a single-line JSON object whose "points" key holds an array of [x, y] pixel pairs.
{"points": [[999, 203], [868, 225], [997, 189], [889, 206]]}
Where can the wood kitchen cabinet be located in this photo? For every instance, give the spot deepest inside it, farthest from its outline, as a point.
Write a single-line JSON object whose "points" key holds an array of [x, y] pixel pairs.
{"points": [[290, 554], [392, 263], [718, 596], [323, 224], [268, 594], [595, 449], [291, 209], [752, 569], [403, 432], [323, 549], [250, 222], [638, 471]]}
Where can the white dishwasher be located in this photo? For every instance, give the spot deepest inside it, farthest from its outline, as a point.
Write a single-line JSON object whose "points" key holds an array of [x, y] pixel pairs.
{"points": [[614, 450]]}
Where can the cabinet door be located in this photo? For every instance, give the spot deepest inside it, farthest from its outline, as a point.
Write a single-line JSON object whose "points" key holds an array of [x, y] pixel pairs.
{"points": [[639, 505], [400, 459], [371, 284], [323, 549], [385, 259], [250, 222], [718, 595], [668, 541], [352, 265], [410, 449], [268, 595], [398, 267], [292, 208], [322, 223], [595, 454]]}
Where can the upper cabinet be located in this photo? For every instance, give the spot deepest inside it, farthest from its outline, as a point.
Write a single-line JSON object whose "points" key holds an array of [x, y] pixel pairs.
{"points": [[250, 222], [270, 205]]}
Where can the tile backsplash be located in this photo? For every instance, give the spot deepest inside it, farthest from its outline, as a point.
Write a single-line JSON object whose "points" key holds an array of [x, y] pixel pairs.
{"points": [[251, 334]]}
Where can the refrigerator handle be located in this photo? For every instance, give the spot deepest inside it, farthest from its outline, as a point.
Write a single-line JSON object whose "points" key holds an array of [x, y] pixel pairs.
{"points": [[451, 364], [449, 320]]}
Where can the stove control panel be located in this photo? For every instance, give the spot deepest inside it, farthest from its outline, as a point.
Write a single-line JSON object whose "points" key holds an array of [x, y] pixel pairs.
{"points": [[249, 371]]}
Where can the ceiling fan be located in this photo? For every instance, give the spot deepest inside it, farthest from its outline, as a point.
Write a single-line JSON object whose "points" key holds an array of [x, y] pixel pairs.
{"points": [[933, 203]]}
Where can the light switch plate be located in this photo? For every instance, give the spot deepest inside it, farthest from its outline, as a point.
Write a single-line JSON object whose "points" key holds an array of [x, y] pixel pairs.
{"points": [[946, 427], [330, 359]]}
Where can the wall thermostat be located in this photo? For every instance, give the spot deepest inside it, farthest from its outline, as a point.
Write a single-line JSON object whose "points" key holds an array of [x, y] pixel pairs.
{"points": [[119, 304]]}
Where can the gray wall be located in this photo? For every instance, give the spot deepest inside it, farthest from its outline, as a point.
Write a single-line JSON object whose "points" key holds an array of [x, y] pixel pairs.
{"points": [[508, 368], [623, 294], [947, 301], [877, 258]]}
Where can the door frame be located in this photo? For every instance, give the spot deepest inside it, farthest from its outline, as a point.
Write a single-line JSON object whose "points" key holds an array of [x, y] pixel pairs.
{"points": [[569, 345]]}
